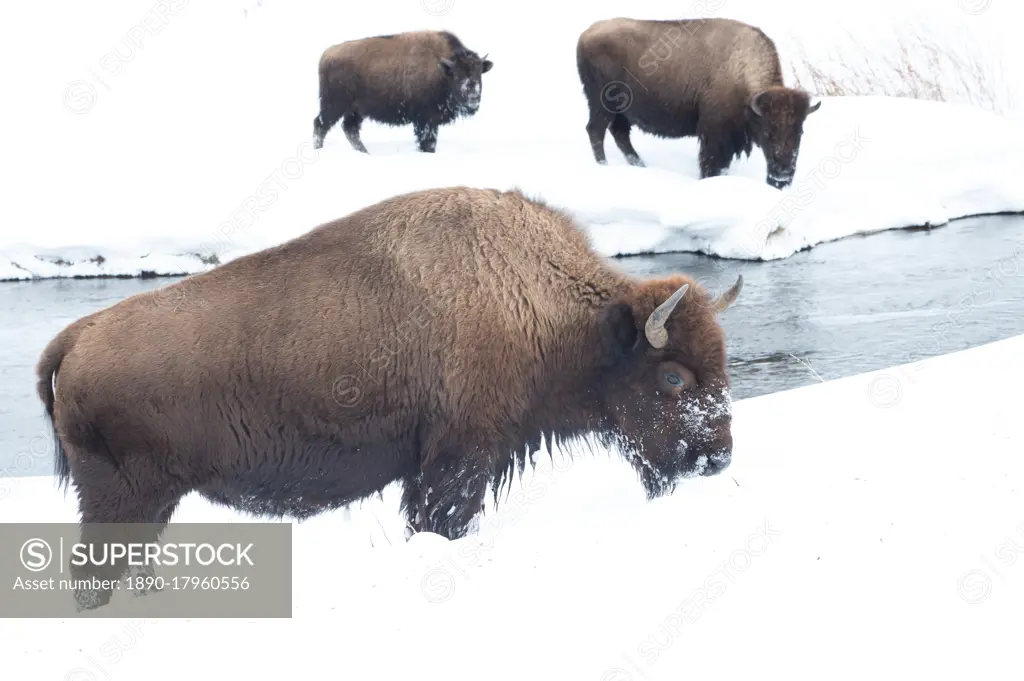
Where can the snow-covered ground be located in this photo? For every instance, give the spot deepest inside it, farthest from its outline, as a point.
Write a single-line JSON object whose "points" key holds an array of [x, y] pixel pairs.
{"points": [[165, 137], [870, 527]]}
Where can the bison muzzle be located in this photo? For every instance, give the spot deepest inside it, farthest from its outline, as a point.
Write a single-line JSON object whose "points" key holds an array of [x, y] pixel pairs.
{"points": [[434, 339]]}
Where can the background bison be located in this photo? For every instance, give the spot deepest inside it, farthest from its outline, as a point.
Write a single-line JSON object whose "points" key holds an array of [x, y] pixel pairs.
{"points": [[425, 78], [431, 339], [717, 79]]}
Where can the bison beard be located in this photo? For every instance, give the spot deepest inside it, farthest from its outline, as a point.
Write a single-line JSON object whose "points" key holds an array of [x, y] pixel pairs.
{"points": [[436, 339]]}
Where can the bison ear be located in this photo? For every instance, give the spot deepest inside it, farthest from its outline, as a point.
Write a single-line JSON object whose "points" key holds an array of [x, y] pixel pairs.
{"points": [[447, 65], [619, 332], [488, 64], [814, 107]]}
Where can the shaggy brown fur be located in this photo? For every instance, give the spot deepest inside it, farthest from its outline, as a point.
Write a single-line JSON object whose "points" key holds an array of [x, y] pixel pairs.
{"points": [[434, 339], [717, 79], [426, 78]]}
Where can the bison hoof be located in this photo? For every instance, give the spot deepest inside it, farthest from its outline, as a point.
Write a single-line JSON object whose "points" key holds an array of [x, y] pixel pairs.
{"points": [[635, 161], [143, 581], [87, 598]]}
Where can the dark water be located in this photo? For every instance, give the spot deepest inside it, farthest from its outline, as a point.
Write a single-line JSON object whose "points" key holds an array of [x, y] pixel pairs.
{"points": [[840, 309]]}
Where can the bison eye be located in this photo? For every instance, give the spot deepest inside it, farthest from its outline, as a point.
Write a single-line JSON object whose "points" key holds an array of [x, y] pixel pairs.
{"points": [[674, 378]]}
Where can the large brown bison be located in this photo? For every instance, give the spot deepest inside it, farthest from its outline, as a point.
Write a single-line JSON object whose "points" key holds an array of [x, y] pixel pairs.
{"points": [[426, 78], [717, 79], [432, 339]]}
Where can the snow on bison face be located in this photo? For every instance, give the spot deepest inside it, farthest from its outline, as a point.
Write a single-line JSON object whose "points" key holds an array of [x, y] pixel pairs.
{"points": [[464, 72], [778, 118], [667, 401]]}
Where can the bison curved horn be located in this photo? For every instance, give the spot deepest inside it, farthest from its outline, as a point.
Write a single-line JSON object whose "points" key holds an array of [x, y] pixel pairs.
{"points": [[655, 331], [753, 104], [814, 107], [729, 297]]}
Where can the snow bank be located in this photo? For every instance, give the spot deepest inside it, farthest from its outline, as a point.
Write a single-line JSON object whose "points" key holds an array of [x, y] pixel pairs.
{"points": [[880, 511], [169, 142]]}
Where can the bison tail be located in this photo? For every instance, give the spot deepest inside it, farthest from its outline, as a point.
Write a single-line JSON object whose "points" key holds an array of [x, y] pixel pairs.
{"points": [[46, 372]]}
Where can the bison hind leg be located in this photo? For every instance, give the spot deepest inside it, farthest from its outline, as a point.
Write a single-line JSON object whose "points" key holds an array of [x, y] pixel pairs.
{"points": [[351, 125], [598, 124], [620, 133], [319, 131], [142, 580], [130, 503], [323, 123]]}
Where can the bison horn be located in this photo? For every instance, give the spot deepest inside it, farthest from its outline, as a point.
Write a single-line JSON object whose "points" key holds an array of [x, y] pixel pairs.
{"points": [[753, 104], [655, 331], [814, 107], [729, 297]]}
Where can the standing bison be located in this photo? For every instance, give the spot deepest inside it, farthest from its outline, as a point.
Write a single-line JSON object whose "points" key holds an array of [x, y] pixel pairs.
{"points": [[717, 79], [426, 78], [431, 339]]}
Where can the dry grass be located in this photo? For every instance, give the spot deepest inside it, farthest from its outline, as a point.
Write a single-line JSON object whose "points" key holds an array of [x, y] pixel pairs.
{"points": [[908, 65]]}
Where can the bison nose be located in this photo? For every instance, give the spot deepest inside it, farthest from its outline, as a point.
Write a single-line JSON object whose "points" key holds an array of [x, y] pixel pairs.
{"points": [[719, 455], [718, 461]]}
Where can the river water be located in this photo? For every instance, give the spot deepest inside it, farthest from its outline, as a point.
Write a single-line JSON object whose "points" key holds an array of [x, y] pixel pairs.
{"points": [[843, 308]]}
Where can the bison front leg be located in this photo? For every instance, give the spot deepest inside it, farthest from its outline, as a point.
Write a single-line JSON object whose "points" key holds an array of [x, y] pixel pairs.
{"points": [[446, 497], [426, 137], [715, 155]]}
